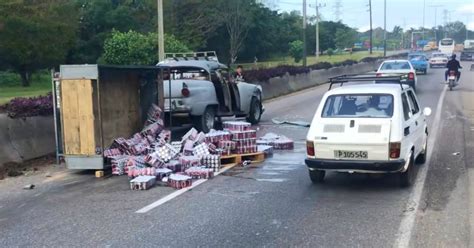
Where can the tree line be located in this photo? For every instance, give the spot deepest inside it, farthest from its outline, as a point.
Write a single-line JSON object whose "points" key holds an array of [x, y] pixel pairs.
{"points": [[38, 34]]}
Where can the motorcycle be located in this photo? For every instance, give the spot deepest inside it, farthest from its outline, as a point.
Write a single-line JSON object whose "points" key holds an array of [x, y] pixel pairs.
{"points": [[452, 77]]}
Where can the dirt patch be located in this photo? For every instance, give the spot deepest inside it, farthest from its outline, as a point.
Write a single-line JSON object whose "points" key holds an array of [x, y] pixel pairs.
{"points": [[12, 169]]}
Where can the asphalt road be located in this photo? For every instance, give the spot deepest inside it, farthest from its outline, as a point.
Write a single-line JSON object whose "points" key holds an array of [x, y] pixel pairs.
{"points": [[273, 205]]}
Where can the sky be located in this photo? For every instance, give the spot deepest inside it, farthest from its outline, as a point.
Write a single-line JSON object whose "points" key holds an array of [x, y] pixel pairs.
{"points": [[404, 13]]}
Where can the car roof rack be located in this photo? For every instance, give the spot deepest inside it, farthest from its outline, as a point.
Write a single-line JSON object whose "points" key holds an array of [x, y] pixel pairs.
{"points": [[364, 78], [206, 56]]}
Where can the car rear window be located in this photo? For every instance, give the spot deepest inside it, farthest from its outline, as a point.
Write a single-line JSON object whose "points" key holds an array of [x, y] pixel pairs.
{"points": [[417, 57], [437, 55], [395, 66], [358, 106]]}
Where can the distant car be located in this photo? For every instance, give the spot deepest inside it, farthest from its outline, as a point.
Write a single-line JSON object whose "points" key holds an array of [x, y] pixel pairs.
{"points": [[438, 60], [368, 128], [419, 62], [427, 48], [202, 89], [401, 68], [467, 55]]}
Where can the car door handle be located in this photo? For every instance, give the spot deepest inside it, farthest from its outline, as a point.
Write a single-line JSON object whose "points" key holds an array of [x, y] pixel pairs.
{"points": [[407, 131]]}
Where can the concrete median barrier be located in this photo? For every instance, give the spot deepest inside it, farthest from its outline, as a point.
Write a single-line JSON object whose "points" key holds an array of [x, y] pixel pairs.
{"points": [[287, 84], [25, 138]]}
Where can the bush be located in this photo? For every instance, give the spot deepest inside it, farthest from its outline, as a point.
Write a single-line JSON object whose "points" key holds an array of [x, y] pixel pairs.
{"points": [[369, 59], [321, 66], [296, 50], [330, 52], [134, 48], [346, 62], [263, 75], [29, 106]]}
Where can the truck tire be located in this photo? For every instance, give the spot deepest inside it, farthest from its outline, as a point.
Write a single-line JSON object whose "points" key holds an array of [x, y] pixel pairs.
{"points": [[317, 176], [255, 113], [407, 178], [206, 121]]}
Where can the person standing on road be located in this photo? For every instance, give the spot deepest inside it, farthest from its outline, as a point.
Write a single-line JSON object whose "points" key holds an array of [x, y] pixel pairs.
{"points": [[453, 65], [238, 75]]}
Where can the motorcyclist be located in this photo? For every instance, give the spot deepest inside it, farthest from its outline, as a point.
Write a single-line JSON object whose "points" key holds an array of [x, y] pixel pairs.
{"points": [[453, 65]]}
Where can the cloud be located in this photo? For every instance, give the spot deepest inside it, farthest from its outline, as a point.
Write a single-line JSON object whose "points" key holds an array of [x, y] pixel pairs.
{"points": [[467, 9], [364, 28], [470, 26]]}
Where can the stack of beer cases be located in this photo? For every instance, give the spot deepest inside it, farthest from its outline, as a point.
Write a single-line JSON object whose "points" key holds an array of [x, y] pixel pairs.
{"points": [[179, 181], [245, 139]]}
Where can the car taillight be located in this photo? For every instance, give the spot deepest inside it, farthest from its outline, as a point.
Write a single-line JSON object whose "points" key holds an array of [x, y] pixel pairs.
{"points": [[411, 75], [185, 91], [378, 74], [310, 148], [395, 149]]}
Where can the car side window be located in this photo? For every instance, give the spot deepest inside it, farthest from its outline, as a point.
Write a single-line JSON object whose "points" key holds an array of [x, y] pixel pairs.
{"points": [[413, 103], [406, 107]]}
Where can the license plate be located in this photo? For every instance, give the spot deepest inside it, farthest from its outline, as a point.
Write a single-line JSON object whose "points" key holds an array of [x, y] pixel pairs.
{"points": [[351, 154]]}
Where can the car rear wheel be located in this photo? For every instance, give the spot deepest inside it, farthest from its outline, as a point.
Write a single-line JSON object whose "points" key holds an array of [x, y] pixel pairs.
{"points": [[421, 159], [317, 176], [206, 121], [407, 178], [255, 113]]}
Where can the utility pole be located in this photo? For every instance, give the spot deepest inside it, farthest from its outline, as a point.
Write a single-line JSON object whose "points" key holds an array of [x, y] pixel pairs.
{"points": [[370, 10], [317, 27], [161, 42], [384, 28], [304, 33], [467, 30]]}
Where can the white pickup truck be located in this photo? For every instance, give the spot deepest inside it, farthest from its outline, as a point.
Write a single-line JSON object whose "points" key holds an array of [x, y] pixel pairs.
{"points": [[201, 88], [368, 128]]}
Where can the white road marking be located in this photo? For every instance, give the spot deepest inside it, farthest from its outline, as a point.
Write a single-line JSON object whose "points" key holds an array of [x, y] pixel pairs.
{"points": [[272, 180], [408, 220], [177, 193]]}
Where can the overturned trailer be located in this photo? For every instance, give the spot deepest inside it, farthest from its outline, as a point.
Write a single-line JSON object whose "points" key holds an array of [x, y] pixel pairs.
{"points": [[94, 104]]}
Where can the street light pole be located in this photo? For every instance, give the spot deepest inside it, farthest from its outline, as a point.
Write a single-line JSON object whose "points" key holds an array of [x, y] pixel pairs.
{"points": [[424, 8], [385, 28], [161, 45], [370, 10], [436, 20], [304, 33], [317, 30]]}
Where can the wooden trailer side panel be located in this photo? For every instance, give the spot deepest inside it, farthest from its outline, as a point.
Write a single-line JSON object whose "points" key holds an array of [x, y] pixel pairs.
{"points": [[78, 117]]}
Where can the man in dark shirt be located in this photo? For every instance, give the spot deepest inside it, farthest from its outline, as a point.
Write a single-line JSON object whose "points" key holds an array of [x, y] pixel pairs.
{"points": [[453, 65]]}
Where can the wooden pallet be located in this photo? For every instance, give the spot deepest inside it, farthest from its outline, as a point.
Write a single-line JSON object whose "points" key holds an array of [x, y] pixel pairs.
{"points": [[236, 159]]}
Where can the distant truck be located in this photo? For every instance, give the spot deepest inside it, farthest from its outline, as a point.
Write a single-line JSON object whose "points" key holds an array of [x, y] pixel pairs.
{"points": [[467, 53]]}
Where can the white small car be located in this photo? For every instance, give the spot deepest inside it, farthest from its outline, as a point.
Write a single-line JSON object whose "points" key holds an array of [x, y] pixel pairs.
{"points": [[368, 128], [438, 59], [400, 67]]}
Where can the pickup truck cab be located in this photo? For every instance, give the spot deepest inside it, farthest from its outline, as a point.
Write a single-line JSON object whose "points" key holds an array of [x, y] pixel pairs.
{"points": [[368, 128], [202, 90]]}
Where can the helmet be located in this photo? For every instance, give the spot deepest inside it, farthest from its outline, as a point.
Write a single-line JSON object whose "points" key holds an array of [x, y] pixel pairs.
{"points": [[453, 56]]}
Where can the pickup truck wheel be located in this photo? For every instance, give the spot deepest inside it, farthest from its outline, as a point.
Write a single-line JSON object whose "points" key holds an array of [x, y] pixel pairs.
{"points": [[407, 178], [255, 111], [206, 121], [317, 176]]}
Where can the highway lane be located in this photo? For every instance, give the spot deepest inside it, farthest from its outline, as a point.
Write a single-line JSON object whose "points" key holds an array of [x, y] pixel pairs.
{"points": [[272, 205]]}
